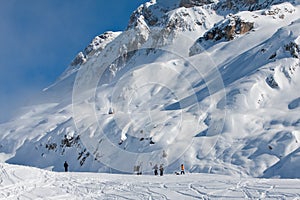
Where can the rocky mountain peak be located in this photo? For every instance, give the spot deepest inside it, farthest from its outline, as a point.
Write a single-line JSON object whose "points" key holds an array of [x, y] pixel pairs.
{"points": [[239, 5], [154, 12], [192, 3], [94, 48]]}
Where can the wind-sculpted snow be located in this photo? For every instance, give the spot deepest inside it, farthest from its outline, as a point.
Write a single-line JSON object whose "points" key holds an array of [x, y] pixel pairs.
{"points": [[156, 94], [18, 182], [139, 95]]}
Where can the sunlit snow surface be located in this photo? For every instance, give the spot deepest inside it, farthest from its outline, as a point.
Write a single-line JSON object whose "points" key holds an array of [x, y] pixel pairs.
{"points": [[228, 107], [18, 182]]}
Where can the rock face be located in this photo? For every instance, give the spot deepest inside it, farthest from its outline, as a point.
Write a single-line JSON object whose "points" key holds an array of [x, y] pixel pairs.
{"points": [[78, 60], [242, 2], [144, 14], [97, 45], [192, 3], [279, 11], [238, 5], [294, 49], [229, 29], [94, 48]]}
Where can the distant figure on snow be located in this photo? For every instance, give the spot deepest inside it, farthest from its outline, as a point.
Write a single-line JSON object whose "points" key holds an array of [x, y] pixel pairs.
{"points": [[161, 170], [182, 169], [155, 170], [111, 111], [66, 166]]}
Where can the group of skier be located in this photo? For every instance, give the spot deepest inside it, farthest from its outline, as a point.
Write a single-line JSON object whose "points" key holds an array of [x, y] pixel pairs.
{"points": [[161, 170]]}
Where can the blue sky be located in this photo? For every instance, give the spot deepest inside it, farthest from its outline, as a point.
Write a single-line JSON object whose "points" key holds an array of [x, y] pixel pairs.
{"points": [[39, 38]]}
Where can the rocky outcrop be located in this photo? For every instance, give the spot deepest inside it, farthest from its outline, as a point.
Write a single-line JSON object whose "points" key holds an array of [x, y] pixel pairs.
{"points": [[144, 14], [270, 80], [279, 11], [228, 29], [238, 5], [183, 20], [173, 16], [78, 60], [99, 43], [96, 46], [192, 3], [294, 49]]}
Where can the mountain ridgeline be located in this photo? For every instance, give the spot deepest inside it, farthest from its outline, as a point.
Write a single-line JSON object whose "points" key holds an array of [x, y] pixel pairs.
{"points": [[211, 84]]}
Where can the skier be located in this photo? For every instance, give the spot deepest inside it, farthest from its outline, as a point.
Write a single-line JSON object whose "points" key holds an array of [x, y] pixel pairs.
{"points": [[182, 169], [161, 170], [155, 169], [66, 166]]}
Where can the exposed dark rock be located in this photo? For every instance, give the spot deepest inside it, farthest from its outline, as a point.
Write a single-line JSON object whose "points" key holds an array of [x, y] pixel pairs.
{"points": [[280, 12], [69, 141], [192, 3], [236, 5], [272, 56], [229, 29], [270, 147], [271, 82], [78, 60], [144, 12], [294, 49], [95, 45], [51, 146]]}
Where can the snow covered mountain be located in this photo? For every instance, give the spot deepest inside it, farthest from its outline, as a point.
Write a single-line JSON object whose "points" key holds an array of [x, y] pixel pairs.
{"points": [[211, 84]]}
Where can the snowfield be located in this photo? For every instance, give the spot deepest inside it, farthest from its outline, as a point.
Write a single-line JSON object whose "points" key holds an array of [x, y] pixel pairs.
{"points": [[214, 86], [20, 182]]}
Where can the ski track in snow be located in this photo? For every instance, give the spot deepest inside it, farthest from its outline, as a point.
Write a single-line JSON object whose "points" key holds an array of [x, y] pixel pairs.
{"points": [[19, 182]]}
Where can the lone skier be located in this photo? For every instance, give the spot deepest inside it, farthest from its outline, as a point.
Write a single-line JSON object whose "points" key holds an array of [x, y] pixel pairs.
{"points": [[66, 166], [182, 169], [155, 170], [161, 170]]}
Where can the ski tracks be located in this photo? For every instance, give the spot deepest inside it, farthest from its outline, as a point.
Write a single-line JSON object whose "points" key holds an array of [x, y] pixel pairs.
{"points": [[19, 182]]}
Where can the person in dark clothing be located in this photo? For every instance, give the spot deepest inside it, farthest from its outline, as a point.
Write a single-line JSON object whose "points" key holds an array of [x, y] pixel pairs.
{"points": [[161, 170], [155, 170], [66, 166]]}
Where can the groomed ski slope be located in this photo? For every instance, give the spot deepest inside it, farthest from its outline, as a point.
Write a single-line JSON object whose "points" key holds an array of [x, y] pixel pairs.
{"points": [[19, 182]]}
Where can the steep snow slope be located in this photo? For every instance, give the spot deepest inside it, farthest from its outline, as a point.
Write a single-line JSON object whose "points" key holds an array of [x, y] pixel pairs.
{"points": [[18, 182], [187, 82]]}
